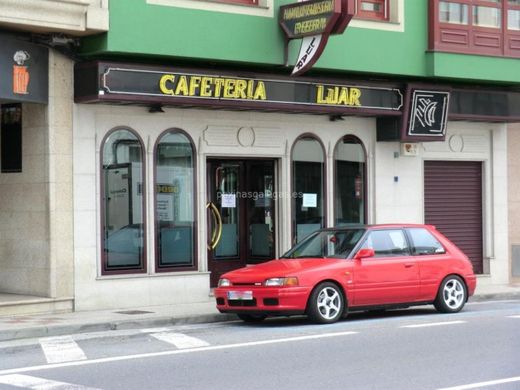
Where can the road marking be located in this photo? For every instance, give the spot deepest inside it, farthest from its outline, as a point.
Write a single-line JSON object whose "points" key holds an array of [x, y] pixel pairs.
{"points": [[180, 340], [518, 316], [32, 382], [433, 324], [483, 384], [175, 352], [61, 349]]}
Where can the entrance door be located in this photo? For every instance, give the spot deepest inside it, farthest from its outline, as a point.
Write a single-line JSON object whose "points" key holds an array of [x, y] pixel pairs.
{"points": [[240, 214]]}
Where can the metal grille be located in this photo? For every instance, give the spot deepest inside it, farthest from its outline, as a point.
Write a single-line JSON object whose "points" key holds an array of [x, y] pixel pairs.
{"points": [[453, 203]]}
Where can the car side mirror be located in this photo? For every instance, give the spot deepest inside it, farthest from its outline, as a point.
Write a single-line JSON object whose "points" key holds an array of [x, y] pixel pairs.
{"points": [[364, 253]]}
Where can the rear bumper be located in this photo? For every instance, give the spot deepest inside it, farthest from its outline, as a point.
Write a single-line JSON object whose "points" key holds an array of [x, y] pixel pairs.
{"points": [[471, 281], [266, 300]]}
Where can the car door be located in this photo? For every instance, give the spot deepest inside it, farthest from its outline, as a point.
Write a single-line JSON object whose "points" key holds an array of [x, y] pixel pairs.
{"points": [[391, 276]]}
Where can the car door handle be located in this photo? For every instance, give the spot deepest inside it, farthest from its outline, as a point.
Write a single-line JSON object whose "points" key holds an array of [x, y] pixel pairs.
{"points": [[409, 265]]}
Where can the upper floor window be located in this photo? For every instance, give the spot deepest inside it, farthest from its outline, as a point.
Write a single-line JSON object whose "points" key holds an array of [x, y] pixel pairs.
{"points": [[372, 9], [247, 2], [513, 15], [453, 13], [484, 27]]}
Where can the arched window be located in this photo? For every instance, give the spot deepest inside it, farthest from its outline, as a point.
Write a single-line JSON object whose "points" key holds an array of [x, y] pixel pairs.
{"points": [[308, 176], [123, 242], [350, 192], [175, 202]]}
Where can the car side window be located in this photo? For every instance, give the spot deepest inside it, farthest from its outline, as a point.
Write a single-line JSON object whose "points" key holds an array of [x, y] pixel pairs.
{"points": [[424, 243], [387, 243]]}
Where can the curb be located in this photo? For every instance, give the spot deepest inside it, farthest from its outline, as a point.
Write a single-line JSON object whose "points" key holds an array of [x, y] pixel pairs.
{"points": [[61, 330], [495, 296], [156, 322]]}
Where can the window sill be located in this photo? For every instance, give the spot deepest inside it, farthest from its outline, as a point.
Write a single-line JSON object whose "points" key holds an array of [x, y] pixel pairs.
{"points": [[151, 275]]}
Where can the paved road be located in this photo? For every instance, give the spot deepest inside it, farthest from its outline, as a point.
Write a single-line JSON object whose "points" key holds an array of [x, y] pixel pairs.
{"points": [[406, 349]]}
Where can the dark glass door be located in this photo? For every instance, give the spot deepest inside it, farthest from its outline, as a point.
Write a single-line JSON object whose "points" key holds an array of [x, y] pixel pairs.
{"points": [[240, 214]]}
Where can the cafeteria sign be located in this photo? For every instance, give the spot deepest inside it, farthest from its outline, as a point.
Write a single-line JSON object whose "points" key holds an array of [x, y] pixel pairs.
{"points": [[314, 21]]}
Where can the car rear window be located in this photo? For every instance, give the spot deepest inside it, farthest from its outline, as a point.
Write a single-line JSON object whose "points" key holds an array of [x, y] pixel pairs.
{"points": [[424, 243]]}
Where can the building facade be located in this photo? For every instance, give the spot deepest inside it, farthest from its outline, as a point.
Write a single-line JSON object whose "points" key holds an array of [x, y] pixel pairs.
{"points": [[36, 99], [195, 152]]}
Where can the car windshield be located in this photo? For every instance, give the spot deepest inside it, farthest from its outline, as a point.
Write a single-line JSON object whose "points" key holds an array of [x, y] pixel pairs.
{"points": [[327, 244]]}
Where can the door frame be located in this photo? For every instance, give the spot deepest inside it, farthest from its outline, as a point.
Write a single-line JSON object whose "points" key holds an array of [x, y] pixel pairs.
{"points": [[243, 234]]}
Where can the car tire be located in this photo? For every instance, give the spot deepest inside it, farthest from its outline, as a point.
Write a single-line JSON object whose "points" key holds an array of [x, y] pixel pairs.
{"points": [[252, 318], [326, 304], [452, 295]]}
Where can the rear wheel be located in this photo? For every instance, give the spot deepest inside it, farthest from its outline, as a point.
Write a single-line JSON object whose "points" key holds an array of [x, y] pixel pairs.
{"points": [[452, 295], [252, 317], [326, 303]]}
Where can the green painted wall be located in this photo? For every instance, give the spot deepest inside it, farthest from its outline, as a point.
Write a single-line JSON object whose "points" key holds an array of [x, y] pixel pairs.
{"points": [[140, 30]]}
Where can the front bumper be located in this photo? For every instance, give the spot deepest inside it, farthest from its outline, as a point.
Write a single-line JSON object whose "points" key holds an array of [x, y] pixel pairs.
{"points": [[266, 300]]}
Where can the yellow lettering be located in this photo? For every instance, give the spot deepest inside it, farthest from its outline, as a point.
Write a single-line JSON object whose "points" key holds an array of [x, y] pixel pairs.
{"points": [[229, 85], [162, 84], [260, 91], [319, 95], [205, 86], [194, 84], [218, 87], [343, 96], [182, 86], [355, 94], [240, 89]]}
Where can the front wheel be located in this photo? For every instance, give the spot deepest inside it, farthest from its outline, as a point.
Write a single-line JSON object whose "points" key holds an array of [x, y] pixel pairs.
{"points": [[326, 304], [452, 295]]}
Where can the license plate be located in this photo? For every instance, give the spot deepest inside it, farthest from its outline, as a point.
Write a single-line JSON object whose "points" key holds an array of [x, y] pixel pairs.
{"points": [[240, 295]]}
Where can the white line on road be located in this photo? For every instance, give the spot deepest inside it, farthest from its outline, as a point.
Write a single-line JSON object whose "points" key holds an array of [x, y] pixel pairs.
{"points": [[180, 340], [433, 324], [61, 349], [518, 316], [32, 382], [483, 384], [175, 352]]}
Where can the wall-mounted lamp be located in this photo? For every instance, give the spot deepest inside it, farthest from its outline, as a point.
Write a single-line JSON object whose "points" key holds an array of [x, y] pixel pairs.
{"points": [[156, 108], [336, 117]]}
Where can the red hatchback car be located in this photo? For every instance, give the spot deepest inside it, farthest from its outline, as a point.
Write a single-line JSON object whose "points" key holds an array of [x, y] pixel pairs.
{"points": [[337, 270]]}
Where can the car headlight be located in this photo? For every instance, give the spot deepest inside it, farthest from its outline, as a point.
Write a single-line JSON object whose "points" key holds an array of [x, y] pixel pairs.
{"points": [[292, 281], [224, 283]]}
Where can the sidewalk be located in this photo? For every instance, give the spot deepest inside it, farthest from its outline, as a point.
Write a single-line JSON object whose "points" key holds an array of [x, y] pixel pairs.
{"points": [[47, 325]]}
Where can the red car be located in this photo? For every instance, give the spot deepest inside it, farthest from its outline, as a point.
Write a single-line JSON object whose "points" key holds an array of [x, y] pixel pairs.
{"points": [[337, 270]]}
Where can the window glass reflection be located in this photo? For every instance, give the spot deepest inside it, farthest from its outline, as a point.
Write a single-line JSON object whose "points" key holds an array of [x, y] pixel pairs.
{"points": [[513, 19], [308, 186], [174, 194], [123, 232], [453, 13], [349, 160], [487, 17]]}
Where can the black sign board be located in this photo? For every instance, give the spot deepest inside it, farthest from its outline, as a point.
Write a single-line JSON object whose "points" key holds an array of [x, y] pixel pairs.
{"points": [[427, 115], [23, 71], [309, 18], [174, 87]]}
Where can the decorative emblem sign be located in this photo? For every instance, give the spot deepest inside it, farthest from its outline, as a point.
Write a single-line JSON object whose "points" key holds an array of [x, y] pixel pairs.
{"points": [[314, 21], [428, 113]]}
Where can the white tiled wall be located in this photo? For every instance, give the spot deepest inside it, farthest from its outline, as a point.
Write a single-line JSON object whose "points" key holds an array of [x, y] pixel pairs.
{"points": [[388, 201]]}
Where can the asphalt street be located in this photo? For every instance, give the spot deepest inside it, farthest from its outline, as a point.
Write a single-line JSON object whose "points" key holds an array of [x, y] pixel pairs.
{"points": [[415, 348]]}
